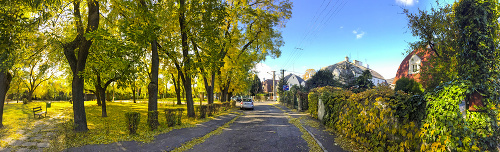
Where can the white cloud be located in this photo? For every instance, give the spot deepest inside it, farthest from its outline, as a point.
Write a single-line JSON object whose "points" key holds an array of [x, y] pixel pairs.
{"points": [[359, 34], [406, 2], [263, 71]]}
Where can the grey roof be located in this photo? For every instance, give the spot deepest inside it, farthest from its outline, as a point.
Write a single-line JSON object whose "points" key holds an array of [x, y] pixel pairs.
{"points": [[357, 69], [290, 75]]}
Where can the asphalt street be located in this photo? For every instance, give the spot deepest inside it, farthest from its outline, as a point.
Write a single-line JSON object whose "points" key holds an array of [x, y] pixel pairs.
{"points": [[265, 128]]}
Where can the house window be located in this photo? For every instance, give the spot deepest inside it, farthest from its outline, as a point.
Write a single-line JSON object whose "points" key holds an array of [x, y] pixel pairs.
{"points": [[414, 65]]}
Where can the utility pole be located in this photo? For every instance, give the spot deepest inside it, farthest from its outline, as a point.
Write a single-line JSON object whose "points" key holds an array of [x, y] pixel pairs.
{"points": [[283, 73], [274, 85]]}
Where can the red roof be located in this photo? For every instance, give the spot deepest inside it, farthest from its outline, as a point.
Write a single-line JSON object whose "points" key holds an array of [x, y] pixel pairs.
{"points": [[404, 66]]}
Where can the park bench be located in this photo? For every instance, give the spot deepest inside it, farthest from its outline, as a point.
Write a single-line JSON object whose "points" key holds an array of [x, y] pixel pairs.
{"points": [[38, 111]]}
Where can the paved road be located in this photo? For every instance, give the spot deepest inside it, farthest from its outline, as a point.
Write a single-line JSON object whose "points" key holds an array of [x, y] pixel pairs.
{"points": [[265, 128]]}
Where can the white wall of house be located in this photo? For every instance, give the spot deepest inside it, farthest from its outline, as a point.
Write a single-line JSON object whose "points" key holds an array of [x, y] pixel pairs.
{"points": [[377, 81]]}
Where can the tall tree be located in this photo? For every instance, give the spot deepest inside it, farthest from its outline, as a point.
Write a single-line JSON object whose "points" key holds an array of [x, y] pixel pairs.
{"points": [[18, 19], [76, 53], [438, 35], [256, 86], [320, 79], [364, 80]]}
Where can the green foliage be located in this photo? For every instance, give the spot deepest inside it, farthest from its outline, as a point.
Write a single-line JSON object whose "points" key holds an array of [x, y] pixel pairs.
{"points": [[408, 85], [447, 127], [334, 101], [256, 86], [438, 37], [313, 98], [132, 119], [153, 120], [409, 107], [320, 79], [171, 117], [202, 111], [364, 81]]}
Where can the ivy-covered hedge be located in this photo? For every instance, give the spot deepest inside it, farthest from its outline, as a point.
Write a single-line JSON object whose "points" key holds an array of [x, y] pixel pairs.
{"points": [[313, 98], [447, 128], [383, 120]]}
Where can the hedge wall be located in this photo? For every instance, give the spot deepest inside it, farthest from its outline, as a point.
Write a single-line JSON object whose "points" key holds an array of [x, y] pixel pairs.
{"points": [[383, 120]]}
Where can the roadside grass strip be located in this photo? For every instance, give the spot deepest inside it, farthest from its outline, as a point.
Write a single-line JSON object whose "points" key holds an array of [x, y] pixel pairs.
{"points": [[194, 142], [312, 143]]}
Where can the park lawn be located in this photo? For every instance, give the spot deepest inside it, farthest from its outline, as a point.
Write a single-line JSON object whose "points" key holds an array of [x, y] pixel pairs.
{"points": [[102, 130], [174, 100]]}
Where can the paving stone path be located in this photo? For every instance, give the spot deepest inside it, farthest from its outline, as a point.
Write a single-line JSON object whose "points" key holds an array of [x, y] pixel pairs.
{"points": [[35, 138]]}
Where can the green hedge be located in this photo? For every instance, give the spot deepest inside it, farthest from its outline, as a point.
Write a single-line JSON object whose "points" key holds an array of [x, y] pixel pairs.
{"points": [[153, 120], [380, 119], [447, 128], [212, 109], [132, 119]]}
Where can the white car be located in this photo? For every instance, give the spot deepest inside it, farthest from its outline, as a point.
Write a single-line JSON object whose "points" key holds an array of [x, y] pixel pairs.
{"points": [[246, 104]]}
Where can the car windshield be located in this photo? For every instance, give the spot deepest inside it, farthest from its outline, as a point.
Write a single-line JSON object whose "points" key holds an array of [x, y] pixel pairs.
{"points": [[247, 100]]}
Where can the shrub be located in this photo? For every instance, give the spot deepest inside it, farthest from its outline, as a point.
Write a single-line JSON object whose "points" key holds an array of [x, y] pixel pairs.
{"points": [[202, 110], [334, 102], [445, 127], [233, 103], [210, 109], [153, 120], [411, 108], [179, 115], [313, 99], [409, 86], [171, 117], [132, 119]]}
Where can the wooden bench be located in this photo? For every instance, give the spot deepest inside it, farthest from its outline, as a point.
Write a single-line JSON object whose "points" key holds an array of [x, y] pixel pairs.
{"points": [[38, 111]]}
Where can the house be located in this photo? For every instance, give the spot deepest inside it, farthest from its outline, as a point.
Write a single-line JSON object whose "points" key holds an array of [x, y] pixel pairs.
{"points": [[356, 68], [292, 79], [411, 65], [267, 85]]}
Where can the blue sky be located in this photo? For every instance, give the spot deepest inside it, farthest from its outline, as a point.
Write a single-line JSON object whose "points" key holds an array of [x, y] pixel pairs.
{"points": [[374, 32]]}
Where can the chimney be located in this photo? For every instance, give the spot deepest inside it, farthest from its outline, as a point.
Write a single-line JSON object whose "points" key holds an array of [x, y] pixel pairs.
{"points": [[358, 63], [346, 58], [367, 66]]}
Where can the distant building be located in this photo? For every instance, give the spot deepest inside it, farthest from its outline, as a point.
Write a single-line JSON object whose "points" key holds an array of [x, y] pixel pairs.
{"points": [[356, 69], [293, 79], [389, 81], [267, 85], [411, 65]]}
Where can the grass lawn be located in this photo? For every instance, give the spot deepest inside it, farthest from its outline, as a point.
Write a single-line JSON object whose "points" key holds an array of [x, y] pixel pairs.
{"points": [[102, 130]]}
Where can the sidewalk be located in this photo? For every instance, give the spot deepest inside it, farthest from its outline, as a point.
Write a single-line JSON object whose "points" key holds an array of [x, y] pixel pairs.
{"points": [[326, 139], [34, 139], [163, 142]]}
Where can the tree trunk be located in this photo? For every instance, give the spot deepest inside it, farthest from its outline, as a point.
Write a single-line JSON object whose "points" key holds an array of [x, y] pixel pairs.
{"points": [[186, 78], [210, 88], [153, 85], [30, 95], [78, 103], [177, 88], [102, 97], [189, 96], [5, 79], [133, 94], [78, 60], [98, 95]]}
